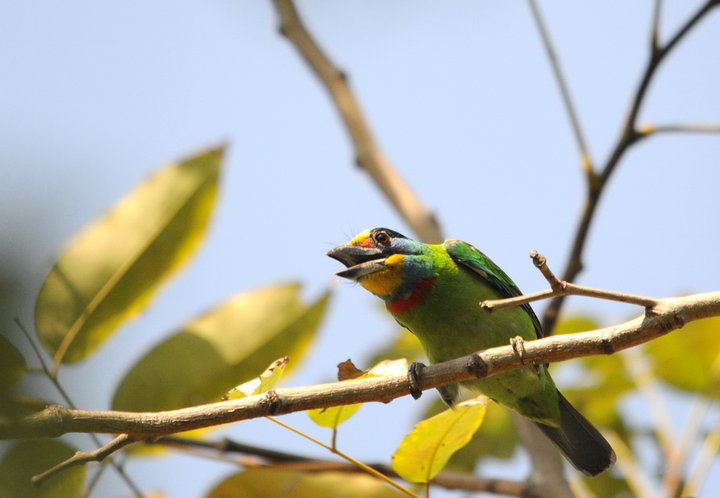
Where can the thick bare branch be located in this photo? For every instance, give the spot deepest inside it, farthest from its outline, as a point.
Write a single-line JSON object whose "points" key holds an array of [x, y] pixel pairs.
{"points": [[669, 314], [368, 153]]}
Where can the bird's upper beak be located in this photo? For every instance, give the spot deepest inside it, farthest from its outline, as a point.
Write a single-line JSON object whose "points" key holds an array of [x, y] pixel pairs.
{"points": [[360, 261]]}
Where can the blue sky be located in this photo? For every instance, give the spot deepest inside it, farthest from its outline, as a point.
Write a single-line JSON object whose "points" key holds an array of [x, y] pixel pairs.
{"points": [[97, 96]]}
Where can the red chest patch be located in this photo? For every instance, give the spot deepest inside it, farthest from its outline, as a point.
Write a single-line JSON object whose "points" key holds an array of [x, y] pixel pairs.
{"points": [[417, 296]]}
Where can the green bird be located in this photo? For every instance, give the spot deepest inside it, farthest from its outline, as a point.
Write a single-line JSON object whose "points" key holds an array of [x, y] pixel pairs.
{"points": [[434, 290]]}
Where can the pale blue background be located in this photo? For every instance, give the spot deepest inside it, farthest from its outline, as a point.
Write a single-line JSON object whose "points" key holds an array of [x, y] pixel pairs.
{"points": [[97, 95]]}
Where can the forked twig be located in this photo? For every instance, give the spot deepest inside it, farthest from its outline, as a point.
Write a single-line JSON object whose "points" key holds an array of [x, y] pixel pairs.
{"points": [[563, 288], [81, 457]]}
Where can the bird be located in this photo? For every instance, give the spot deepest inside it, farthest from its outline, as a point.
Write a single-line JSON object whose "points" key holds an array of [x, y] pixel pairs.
{"points": [[434, 291]]}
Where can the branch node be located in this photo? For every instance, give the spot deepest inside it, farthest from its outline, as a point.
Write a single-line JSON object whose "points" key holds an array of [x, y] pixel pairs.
{"points": [[518, 345], [477, 366], [271, 402], [606, 345]]}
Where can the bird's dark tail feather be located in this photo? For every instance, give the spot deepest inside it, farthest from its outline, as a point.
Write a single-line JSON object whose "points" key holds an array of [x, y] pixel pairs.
{"points": [[579, 441]]}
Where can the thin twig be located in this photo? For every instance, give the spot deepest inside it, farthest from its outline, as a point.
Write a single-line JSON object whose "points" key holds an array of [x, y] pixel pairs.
{"points": [[366, 468], [647, 130], [66, 397], [655, 26], [563, 288], [637, 365], [635, 476], [700, 469], [368, 153], [290, 461], [81, 457], [679, 456], [628, 137], [570, 109]]}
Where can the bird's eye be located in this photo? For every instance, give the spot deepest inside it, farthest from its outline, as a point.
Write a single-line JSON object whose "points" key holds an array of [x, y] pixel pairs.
{"points": [[382, 238]]}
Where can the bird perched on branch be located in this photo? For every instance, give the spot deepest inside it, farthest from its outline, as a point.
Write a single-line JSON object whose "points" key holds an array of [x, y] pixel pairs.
{"points": [[434, 291]]}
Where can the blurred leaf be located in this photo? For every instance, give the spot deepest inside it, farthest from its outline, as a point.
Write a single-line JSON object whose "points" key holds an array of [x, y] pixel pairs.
{"points": [[12, 365], [264, 382], [602, 381], [334, 416], [575, 323], [688, 358], [608, 484], [28, 458], [236, 340], [110, 271], [269, 483], [403, 345], [497, 437], [427, 448]]}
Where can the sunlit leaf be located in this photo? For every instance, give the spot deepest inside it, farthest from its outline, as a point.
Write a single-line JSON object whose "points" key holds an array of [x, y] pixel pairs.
{"points": [[403, 345], [31, 457], [110, 271], [334, 416], [269, 483], [264, 382], [12, 364], [601, 382], [688, 358], [427, 448], [496, 437], [236, 340]]}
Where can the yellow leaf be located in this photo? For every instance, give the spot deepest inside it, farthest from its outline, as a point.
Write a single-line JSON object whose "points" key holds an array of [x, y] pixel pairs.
{"points": [[269, 483], [238, 339], [334, 416], [110, 271], [264, 382], [427, 448]]}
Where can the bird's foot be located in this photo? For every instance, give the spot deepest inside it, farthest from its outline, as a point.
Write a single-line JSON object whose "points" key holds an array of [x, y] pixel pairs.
{"points": [[415, 371], [518, 345]]}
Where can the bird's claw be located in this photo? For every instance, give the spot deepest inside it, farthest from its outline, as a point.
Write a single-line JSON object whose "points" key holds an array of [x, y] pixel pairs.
{"points": [[518, 345], [415, 371]]}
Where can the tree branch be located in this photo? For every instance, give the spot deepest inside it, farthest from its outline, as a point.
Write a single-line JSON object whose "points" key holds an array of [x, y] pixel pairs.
{"points": [[368, 153], [291, 461], [81, 457], [563, 288], [667, 315], [585, 158], [628, 137]]}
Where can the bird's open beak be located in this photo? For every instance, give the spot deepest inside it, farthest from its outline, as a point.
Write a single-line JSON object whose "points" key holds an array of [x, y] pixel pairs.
{"points": [[360, 261]]}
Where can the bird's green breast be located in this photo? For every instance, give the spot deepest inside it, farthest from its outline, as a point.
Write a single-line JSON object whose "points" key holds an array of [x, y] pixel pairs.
{"points": [[450, 323]]}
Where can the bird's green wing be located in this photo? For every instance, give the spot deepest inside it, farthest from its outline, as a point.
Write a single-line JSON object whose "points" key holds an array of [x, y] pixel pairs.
{"points": [[469, 257]]}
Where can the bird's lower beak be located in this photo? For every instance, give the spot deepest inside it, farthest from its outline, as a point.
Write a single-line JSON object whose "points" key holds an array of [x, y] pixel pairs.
{"points": [[360, 261]]}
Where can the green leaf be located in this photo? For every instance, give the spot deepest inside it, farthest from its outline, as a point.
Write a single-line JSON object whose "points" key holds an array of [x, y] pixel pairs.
{"points": [[28, 458], [689, 359], [334, 416], [497, 437], [12, 365], [110, 271], [403, 345], [236, 340], [269, 483], [427, 448], [260, 384]]}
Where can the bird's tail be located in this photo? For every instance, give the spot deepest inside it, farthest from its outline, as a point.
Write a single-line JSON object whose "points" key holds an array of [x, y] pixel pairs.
{"points": [[580, 441]]}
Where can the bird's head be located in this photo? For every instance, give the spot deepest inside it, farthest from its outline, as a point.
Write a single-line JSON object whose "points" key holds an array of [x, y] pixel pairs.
{"points": [[384, 262]]}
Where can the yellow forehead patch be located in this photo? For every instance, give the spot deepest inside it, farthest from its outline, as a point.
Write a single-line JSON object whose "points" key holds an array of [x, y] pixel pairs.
{"points": [[362, 239]]}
